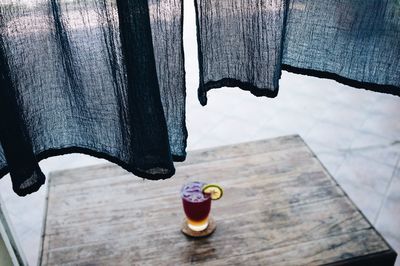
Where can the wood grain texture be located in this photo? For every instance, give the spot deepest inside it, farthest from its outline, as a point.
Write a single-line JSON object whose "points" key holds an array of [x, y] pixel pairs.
{"points": [[280, 207]]}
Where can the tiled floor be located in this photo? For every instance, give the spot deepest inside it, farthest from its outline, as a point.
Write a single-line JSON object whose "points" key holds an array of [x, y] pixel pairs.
{"points": [[355, 133]]}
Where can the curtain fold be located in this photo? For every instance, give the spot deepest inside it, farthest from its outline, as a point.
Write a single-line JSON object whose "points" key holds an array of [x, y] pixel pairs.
{"points": [[166, 17], [16, 144]]}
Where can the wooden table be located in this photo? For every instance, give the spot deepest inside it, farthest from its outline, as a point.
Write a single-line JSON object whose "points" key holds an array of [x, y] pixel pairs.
{"points": [[280, 207]]}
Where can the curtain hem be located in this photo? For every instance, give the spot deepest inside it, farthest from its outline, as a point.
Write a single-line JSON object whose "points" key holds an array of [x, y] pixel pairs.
{"points": [[389, 89], [262, 92], [102, 155], [230, 82]]}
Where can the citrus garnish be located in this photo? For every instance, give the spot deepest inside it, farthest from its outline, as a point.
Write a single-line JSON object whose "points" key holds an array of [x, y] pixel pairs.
{"points": [[214, 190]]}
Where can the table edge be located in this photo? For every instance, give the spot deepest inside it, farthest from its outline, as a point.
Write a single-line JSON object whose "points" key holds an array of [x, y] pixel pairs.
{"points": [[382, 258], [385, 256], [43, 230]]}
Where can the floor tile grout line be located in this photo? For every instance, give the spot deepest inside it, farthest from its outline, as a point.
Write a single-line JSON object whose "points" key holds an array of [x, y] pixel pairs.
{"points": [[356, 152], [377, 146], [395, 169]]}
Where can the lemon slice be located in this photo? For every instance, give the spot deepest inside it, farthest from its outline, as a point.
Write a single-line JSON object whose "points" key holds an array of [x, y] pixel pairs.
{"points": [[214, 190]]}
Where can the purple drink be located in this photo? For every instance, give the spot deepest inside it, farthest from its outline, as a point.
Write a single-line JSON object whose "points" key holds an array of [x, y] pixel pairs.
{"points": [[196, 205]]}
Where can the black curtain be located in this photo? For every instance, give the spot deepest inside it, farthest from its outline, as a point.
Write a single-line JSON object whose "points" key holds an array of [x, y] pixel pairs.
{"points": [[82, 76], [247, 43]]}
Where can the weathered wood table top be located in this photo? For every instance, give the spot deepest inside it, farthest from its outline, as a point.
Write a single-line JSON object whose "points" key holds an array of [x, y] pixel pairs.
{"points": [[280, 207]]}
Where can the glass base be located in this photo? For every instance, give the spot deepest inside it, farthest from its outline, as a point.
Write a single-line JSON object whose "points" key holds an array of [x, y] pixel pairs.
{"points": [[198, 228], [198, 234]]}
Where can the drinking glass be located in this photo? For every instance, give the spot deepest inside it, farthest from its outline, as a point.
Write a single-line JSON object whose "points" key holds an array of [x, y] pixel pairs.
{"points": [[196, 205]]}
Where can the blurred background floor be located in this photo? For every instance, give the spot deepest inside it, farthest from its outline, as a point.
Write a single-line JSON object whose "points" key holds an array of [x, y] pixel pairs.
{"points": [[355, 133]]}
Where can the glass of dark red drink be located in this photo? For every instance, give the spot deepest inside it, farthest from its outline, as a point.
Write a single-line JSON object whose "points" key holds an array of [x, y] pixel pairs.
{"points": [[196, 205]]}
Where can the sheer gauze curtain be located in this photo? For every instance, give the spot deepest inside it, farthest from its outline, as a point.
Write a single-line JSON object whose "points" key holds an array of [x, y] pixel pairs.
{"points": [[86, 76], [106, 77], [247, 43]]}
